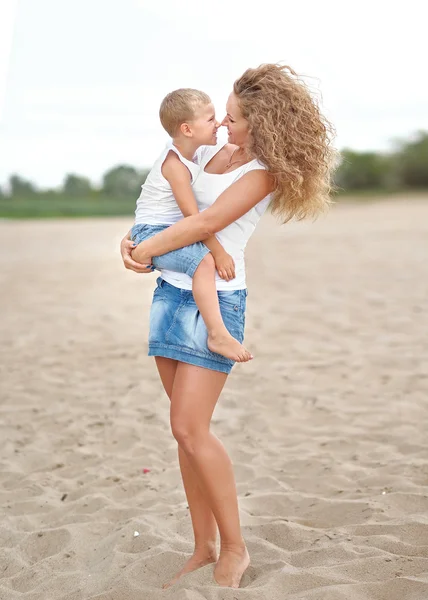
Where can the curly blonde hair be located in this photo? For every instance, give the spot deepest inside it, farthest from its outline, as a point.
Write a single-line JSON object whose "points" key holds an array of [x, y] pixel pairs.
{"points": [[290, 137]]}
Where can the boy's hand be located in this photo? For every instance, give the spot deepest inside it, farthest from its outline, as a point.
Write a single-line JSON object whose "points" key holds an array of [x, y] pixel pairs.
{"points": [[225, 265]]}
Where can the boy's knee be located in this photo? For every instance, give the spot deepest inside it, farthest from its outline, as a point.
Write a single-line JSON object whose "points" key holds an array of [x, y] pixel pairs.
{"points": [[207, 261]]}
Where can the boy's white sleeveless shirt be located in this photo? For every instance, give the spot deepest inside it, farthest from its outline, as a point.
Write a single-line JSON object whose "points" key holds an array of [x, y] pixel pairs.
{"points": [[207, 187], [156, 204]]}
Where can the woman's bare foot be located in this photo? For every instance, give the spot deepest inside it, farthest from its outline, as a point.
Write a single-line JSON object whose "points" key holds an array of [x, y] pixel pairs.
{"points": [[199, 559], [231, 566], [227, 346]]}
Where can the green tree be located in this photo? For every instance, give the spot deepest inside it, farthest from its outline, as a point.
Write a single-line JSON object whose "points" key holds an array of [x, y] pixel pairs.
{"points": [[20, 188], [411, 162], [123, 181], [77, 186], [362, 170]]}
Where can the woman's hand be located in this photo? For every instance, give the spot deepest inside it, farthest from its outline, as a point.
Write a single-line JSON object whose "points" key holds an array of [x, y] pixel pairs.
{"points": [[141, 255], [126, 248]]}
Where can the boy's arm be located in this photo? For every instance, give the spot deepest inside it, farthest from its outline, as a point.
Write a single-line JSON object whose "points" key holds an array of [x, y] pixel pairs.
{"points": [[179, 178]]}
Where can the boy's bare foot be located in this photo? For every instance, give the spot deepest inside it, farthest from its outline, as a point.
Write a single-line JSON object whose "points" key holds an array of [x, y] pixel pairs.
{"points": [[231, 566], [227, 346], [196, 561]]}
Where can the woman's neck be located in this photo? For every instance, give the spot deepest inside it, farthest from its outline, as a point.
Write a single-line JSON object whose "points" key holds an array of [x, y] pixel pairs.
{"points": [[239, 156]]}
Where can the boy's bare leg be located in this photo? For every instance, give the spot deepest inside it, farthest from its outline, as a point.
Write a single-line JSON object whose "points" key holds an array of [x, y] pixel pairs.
{"points": [[205, 295]]}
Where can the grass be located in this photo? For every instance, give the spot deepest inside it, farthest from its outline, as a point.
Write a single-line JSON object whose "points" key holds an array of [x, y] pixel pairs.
{"points": [[39, 207], [51, 206]]}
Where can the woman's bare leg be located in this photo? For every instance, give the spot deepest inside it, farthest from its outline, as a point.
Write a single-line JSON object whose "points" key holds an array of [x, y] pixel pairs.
{"points": [[203, 521], [194, 395]]}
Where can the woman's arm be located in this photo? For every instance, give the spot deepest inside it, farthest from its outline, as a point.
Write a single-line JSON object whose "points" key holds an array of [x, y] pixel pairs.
{"points": [[232, 204]]}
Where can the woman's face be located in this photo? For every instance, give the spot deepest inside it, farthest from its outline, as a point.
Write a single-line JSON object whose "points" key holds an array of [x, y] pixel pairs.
{"points": [[237, 126]]}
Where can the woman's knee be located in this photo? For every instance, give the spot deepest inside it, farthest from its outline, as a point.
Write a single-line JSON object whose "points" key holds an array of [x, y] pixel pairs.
{"points": [[187, 435]]}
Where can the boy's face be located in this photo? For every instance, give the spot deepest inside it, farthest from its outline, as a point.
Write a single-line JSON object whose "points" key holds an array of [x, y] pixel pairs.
{"points": [[203, 127]]}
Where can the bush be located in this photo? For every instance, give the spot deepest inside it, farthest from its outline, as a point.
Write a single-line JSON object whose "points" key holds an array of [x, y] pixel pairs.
{"points": [[362, 171], [412, 162]]}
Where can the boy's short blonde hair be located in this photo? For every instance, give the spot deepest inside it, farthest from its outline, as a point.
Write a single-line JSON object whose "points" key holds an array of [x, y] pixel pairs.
{"points": [[179, 107]]}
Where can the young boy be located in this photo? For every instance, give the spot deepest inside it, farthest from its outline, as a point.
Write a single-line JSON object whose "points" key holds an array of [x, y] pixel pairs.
{"points": [[188, 117]]}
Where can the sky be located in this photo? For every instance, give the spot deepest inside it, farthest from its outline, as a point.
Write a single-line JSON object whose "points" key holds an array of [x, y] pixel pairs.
{"points": [[81, 81]]}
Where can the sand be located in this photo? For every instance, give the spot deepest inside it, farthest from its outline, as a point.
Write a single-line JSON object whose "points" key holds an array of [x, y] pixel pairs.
{"points": [[327, 427]]}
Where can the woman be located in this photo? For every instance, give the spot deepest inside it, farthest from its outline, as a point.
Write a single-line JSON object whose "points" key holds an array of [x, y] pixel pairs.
{"points": [[278, 154]]}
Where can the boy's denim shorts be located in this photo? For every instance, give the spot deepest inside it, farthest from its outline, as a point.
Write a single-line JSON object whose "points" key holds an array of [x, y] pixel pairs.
{"points": [[184, 260], [177, 329]]}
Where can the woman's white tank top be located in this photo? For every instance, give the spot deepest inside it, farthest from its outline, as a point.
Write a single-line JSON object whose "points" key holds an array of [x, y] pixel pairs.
{"points": [[207, 187], [156, 204]]}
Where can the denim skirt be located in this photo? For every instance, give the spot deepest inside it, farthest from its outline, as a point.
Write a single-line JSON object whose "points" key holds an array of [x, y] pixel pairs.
{"points": [[178, 331]]}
